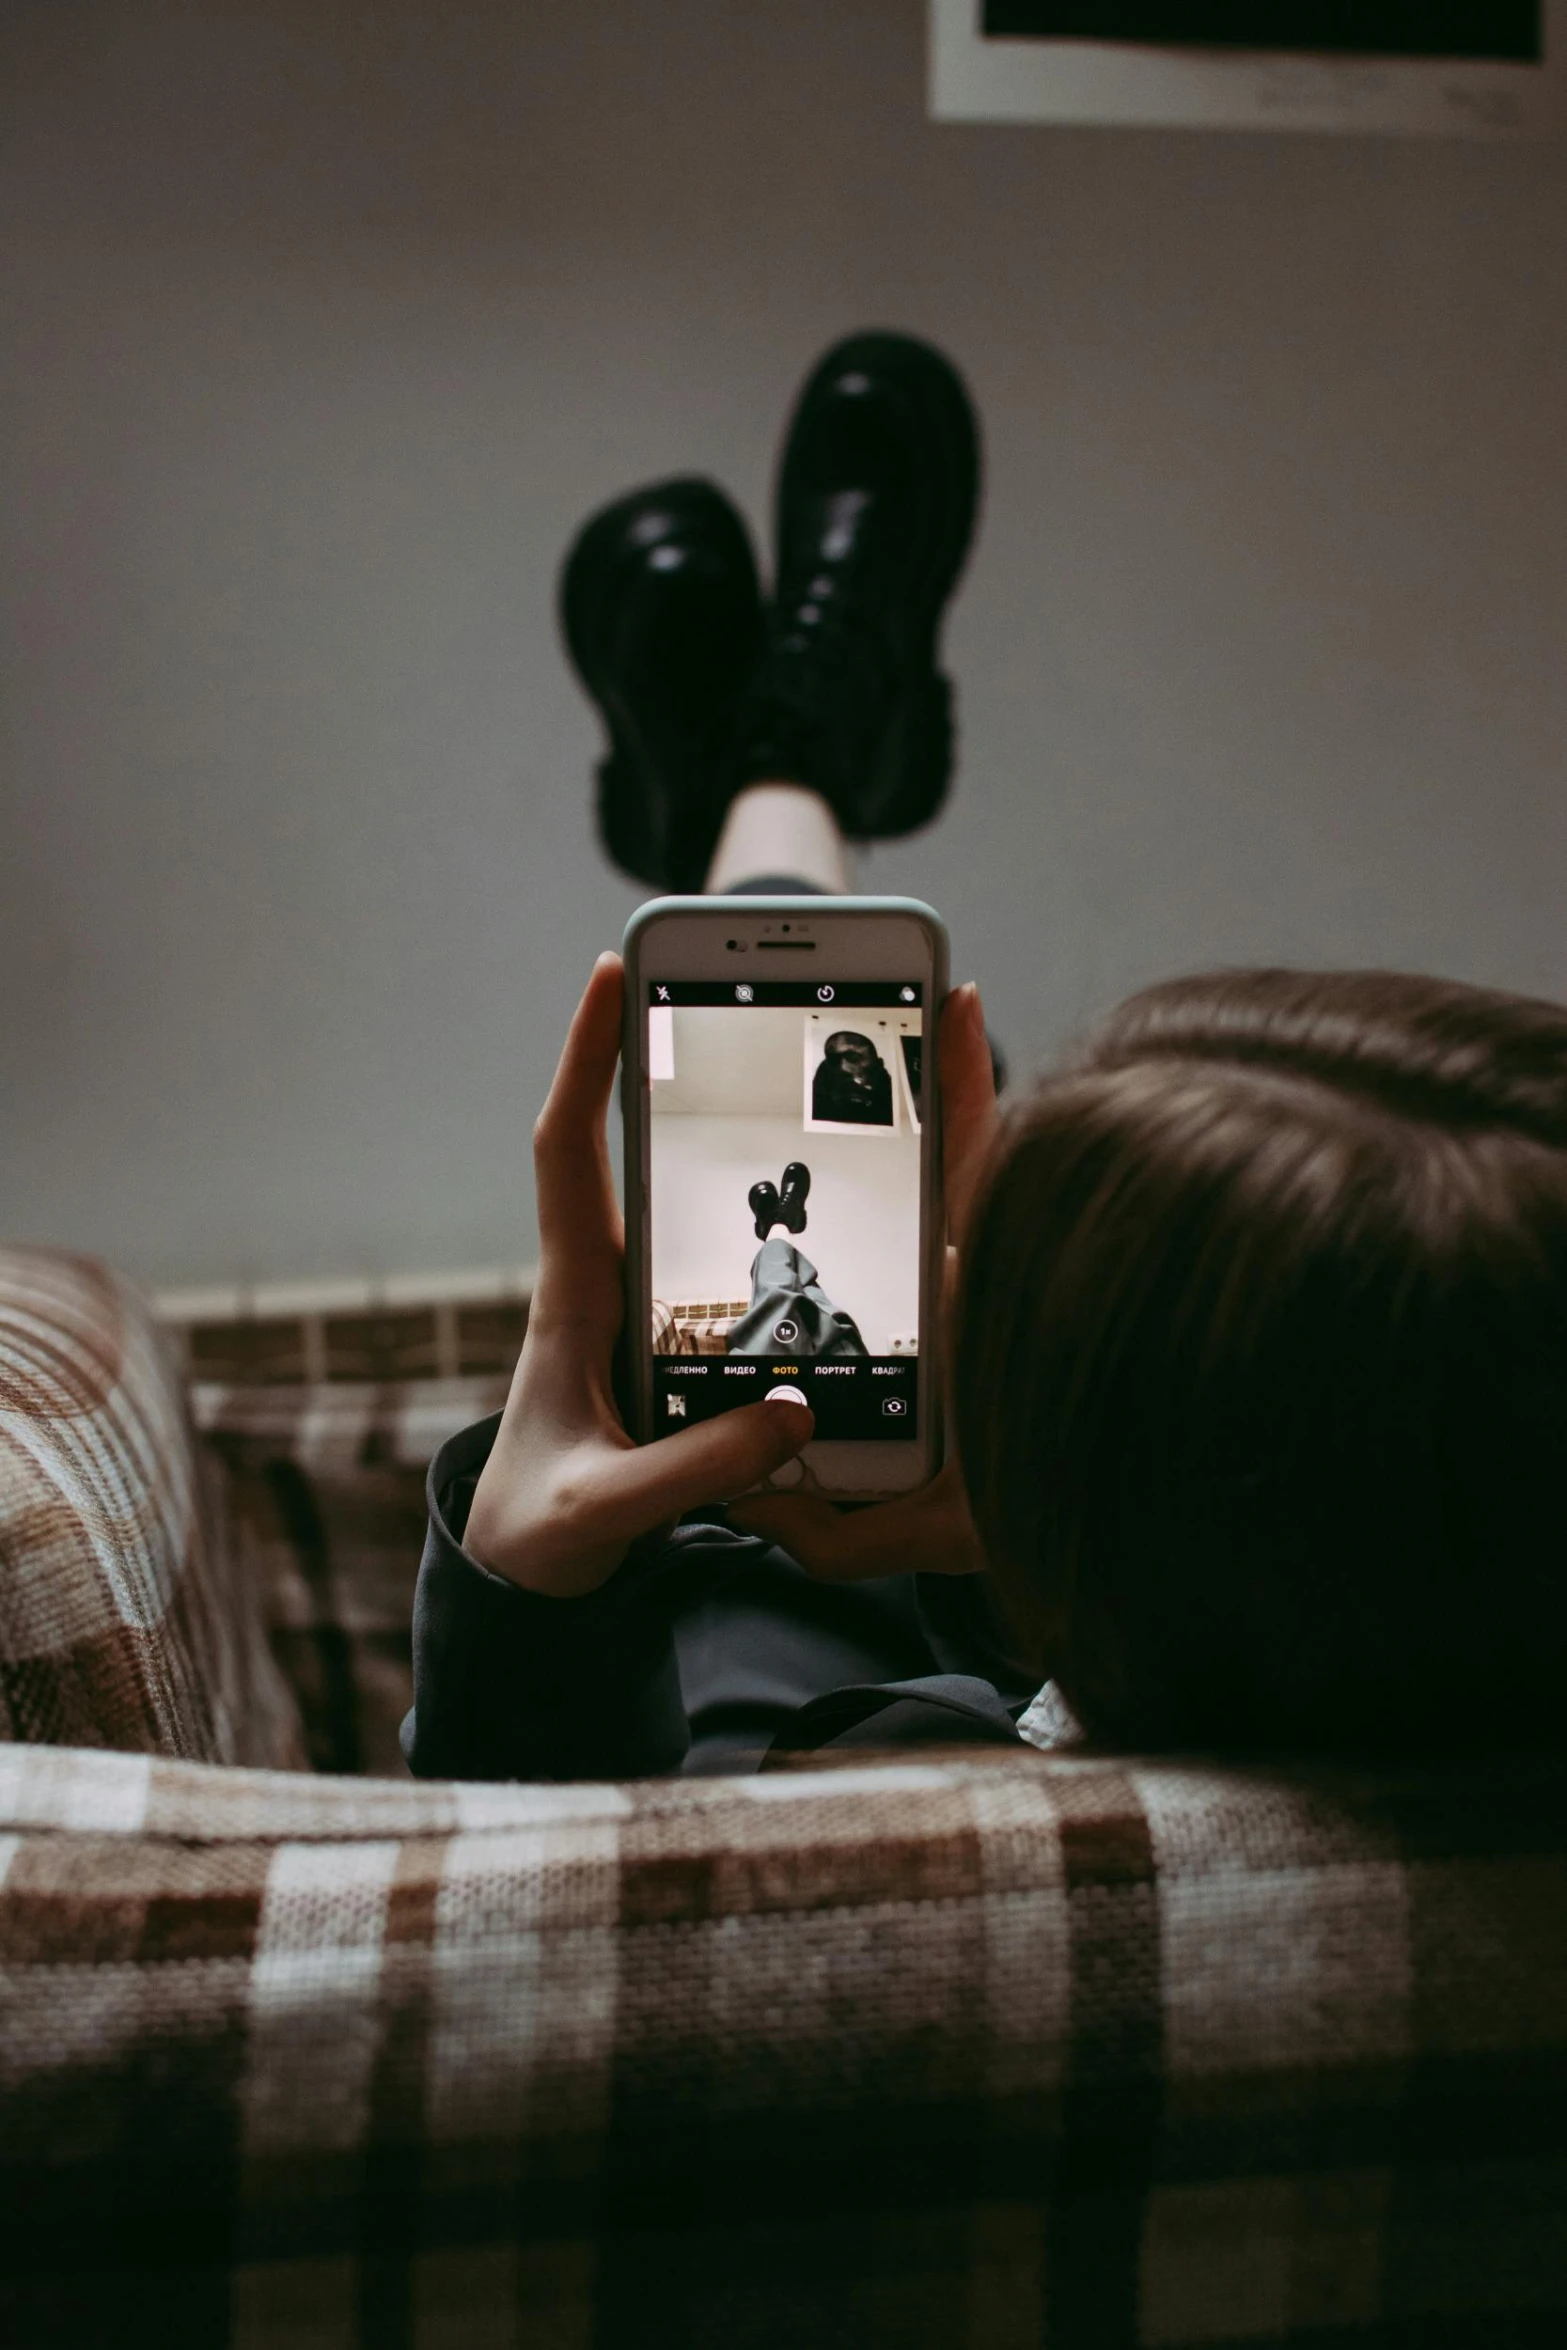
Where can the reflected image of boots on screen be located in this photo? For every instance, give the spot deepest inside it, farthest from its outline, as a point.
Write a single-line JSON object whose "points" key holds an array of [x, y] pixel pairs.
{"points": [[785, 1200]]}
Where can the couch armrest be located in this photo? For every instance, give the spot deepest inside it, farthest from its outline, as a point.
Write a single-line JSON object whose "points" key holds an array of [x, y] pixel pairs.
{"points": [[1107, 2050], [126, 1617]]}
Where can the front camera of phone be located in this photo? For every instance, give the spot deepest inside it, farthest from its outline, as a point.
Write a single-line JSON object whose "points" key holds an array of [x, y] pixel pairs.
{"points": [[732, 943]]}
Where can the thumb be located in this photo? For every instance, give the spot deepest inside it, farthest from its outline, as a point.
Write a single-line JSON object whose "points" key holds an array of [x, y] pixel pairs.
{"points": [[710, 1462], [811, 1531], [834, 1545], [929, 1532]]}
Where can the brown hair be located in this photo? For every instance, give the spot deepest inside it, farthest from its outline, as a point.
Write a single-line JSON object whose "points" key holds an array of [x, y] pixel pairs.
{"points": [[1262, 1356]]}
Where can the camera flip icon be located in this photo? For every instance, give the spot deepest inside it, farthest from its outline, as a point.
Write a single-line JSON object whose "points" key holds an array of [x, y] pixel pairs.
{"points": [[893, 1407]]}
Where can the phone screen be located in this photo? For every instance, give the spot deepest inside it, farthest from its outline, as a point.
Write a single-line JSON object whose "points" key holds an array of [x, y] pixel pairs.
{"points": [[784, 1208]]}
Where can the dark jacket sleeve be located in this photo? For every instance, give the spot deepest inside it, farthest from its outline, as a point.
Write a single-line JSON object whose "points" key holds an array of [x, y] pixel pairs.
{"points": [[511, 1685]]}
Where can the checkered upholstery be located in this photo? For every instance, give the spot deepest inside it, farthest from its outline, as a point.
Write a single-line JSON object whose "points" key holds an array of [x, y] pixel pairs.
{"points": [[696, 1326], [127, 1615], [324, 1415], [989, 2049], [326, 1493], [994, 2049]]}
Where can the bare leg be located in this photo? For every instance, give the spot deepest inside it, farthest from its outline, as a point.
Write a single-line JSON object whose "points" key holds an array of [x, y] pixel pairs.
{"points": [[783, 832]]}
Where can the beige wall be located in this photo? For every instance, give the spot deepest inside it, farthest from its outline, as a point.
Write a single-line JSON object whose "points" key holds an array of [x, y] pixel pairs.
{"points": [[326, 324]]}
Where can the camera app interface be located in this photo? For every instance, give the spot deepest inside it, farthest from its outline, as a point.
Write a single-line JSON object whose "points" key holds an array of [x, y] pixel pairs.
{"points": [[785, 1207]]}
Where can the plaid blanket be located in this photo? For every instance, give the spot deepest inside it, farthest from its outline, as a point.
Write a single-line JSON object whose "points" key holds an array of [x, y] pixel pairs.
{"points": [[992, 2050]]}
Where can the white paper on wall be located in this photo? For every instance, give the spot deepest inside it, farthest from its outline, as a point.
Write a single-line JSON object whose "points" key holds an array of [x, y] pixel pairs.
{"points": [[984, 68]]}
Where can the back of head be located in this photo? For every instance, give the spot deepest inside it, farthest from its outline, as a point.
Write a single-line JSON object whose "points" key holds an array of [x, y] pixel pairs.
{"points": [[1262, 1338]]}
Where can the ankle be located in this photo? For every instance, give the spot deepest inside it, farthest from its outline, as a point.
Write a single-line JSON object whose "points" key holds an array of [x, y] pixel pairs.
{"points": [[779, 827]]}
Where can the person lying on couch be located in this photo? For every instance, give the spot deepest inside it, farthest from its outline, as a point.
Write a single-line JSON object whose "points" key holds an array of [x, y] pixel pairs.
{"points": [[1260, 1305]]}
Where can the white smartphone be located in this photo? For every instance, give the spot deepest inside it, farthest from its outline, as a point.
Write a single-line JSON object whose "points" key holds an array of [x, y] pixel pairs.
{"points": [[784, 1225]]}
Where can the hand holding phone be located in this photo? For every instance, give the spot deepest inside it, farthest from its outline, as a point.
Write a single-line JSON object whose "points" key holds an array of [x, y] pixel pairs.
{"points": [[565, 1491]]}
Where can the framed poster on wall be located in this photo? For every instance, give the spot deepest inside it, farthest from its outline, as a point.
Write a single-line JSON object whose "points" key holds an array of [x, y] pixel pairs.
{"points": [[1434, 68]]}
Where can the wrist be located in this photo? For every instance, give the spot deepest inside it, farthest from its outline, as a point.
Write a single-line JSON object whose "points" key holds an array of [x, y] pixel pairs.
{"points": [[532, 1557]]}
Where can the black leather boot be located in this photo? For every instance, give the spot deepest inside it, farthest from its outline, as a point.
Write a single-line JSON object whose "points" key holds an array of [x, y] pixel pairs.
{"points": [[877, 493], [661, 612], [792, 1194], [763, 1201]]}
